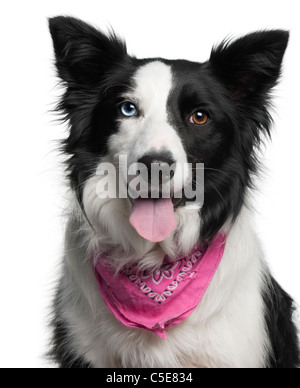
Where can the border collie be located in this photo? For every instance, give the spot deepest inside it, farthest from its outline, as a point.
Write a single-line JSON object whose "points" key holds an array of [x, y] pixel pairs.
{"points": [[158, 280]]}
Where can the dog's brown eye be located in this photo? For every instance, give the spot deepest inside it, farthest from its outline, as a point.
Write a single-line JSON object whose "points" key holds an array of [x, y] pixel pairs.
{"points": [[199, 118]]}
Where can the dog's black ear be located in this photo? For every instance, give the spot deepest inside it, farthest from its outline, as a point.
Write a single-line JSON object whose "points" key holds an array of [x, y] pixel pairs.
{"points": [[250, 66], [83, 54]]}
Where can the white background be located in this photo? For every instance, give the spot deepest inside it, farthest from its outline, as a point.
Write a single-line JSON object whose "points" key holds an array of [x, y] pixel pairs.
{"points": [[32, 187]]}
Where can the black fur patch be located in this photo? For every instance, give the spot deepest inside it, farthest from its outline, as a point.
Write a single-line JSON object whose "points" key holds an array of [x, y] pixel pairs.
{"points": [[95, 69], [233, 88], [282, 330]]}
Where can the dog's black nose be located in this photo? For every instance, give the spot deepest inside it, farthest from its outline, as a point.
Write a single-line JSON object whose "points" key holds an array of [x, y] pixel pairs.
{"points": [[161, 163], [157, 171]]}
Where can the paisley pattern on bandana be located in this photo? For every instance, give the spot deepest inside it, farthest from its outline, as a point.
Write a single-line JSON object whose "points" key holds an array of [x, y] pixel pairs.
{"points": [[183, 266], [165, 272]]}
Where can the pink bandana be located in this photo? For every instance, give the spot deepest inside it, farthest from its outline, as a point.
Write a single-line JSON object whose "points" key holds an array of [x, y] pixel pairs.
{"points": [[158, 300]]}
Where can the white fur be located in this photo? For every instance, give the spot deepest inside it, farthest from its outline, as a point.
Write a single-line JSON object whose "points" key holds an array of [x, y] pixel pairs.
{"points": [[113, 232]]}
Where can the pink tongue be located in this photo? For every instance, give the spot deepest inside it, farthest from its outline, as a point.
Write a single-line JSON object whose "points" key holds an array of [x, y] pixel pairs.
{"points": [[153, 219]]}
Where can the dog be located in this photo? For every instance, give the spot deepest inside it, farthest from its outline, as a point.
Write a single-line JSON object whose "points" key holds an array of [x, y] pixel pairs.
{"points": [[166, 282]]}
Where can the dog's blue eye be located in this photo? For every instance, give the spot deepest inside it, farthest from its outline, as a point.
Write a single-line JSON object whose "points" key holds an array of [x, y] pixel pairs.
{"points": [[128, 109]]}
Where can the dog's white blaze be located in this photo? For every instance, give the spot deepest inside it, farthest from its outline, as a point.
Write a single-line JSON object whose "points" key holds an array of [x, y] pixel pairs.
{"points": [[153, 86], [150, 131]]}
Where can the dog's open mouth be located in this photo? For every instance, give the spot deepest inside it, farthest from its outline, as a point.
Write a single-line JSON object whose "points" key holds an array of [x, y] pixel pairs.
{"points": [[153, 208]]}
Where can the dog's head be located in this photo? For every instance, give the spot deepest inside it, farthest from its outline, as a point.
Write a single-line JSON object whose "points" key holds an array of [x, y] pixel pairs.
{"points": [[122, 111]]}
